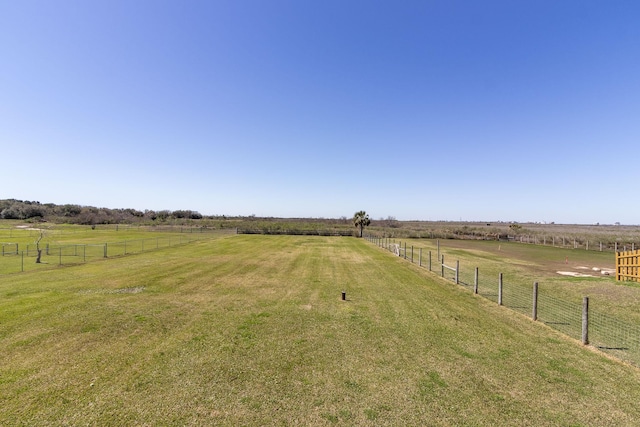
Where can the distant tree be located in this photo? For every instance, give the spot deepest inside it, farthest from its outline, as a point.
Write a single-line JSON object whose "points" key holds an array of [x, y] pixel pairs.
{"points": [[150, 214], [361, 220], [163, 215], [179, 214], [11, 212], [516, 228], [38, 248], [391, 221], [70, 210]]}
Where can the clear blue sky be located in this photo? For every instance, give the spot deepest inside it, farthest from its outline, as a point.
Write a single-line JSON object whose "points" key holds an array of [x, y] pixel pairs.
{"points": [[435, 110]]}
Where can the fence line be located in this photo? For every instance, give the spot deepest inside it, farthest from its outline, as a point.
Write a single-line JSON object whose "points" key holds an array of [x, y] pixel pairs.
{"points": [[297, 231], [604, 332], [558, 241], [16, 261]]}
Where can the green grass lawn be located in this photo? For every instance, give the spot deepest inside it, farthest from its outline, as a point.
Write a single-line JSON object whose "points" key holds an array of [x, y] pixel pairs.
{"points": [[64, 244], [251, 330]]}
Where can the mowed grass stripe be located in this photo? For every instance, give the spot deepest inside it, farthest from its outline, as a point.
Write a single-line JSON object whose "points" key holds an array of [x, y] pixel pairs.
{"points": [[251, 330]]}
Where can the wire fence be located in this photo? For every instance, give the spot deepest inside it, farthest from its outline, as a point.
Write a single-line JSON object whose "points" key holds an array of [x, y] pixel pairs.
{"points": [[575, 243], [604, 244], [607, 333], [16, 259]]}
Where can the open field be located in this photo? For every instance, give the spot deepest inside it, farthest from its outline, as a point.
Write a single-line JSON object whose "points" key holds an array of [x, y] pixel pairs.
{"points": [[614, 307], [523, 264], [251, 330], [64, 244]]}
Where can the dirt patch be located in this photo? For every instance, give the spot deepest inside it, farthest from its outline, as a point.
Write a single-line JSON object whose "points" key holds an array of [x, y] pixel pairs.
{"points": [[27, 227], [574, 274], [133, 290], [594, 272]]}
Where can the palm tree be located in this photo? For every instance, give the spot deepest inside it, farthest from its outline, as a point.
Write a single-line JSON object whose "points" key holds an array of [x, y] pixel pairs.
{"points": [[361, 220]]}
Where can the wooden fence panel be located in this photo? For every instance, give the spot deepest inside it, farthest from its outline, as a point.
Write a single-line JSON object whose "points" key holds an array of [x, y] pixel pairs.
{"points": [[627, 266]]}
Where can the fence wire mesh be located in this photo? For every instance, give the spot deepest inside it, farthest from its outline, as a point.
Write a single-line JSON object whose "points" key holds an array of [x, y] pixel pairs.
{"points": [[609, 334], [16, 261]]}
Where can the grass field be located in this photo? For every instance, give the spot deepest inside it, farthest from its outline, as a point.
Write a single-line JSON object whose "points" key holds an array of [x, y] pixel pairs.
{"points": [[523, 264], [251, 330], [64, 244]]}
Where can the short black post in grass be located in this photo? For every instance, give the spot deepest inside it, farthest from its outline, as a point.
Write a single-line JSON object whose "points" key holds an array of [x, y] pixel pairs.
{"points": [[442, 266], [420, 257], [500, 289], [344, 295], [412, 253], [105, 250], [585, 320], [475, 282], [534, 313], [457, 272], [22, 267]]}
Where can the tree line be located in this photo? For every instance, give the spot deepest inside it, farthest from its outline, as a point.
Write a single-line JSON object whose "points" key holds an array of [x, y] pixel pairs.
{"points": [[88, 215]]}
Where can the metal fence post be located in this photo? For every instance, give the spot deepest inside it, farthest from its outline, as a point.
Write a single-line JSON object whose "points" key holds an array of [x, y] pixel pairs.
{"points": [[534, 313], [442, 266], [500, 289], [585, 320]]}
